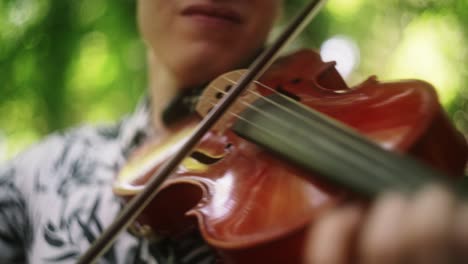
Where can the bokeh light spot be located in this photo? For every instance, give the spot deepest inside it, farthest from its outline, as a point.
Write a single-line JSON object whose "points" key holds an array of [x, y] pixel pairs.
{"points": [[344, 51]]}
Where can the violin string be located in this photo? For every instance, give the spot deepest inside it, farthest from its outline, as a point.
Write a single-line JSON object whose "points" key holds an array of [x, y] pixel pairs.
{"points": [[295, 113], [355, 143], [259, 83], [282, 107], [318, 124], [275, 104], [321, 149]]}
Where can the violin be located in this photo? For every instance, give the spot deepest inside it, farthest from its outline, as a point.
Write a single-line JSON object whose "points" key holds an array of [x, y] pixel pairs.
{"points": [[298, 142], [248, 202]]}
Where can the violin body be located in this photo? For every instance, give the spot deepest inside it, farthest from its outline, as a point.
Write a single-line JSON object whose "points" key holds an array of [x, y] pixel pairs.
{"points": [[254, 207]]}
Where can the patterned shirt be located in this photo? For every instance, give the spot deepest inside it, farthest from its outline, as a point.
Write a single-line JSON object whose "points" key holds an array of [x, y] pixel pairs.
{"points": [[56, 199]]}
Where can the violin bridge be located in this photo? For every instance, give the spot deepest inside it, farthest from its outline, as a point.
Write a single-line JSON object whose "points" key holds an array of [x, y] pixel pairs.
{"points": [[217, 89]]}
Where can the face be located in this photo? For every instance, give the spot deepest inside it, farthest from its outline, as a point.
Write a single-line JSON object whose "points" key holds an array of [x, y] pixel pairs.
{"points": [[197, 40]]}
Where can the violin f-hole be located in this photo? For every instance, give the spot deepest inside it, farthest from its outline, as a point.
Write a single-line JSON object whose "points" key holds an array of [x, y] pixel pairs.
{"points": [[204, 158]]}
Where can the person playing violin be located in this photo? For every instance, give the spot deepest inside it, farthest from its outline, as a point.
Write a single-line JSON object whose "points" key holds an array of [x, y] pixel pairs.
{"points": [[56, 197]]}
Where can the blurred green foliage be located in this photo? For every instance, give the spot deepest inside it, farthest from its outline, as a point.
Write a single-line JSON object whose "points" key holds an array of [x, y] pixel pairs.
{"points": [[66, 62]]}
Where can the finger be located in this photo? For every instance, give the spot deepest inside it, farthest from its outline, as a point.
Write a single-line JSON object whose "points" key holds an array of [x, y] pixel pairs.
{"points": [[330, 239], [429, 225], [381, 240], [461, 234]]}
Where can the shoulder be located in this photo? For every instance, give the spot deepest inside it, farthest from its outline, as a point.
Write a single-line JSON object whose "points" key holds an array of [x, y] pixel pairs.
{"points": [[84, 149], [58, 147], [87, 155]]}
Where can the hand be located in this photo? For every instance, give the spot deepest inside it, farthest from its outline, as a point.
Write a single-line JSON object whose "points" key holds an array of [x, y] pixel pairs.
{"points": [[430, 227]]}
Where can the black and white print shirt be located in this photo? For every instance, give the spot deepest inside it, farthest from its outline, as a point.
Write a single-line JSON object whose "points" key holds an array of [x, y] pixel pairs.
{"points": [[56, 198]]}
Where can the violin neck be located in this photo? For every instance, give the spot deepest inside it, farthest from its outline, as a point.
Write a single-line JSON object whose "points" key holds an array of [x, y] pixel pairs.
{"points": [[324, 146]]}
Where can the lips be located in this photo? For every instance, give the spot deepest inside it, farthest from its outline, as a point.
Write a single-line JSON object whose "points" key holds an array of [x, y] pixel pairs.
{"points": [[213, 12]]}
